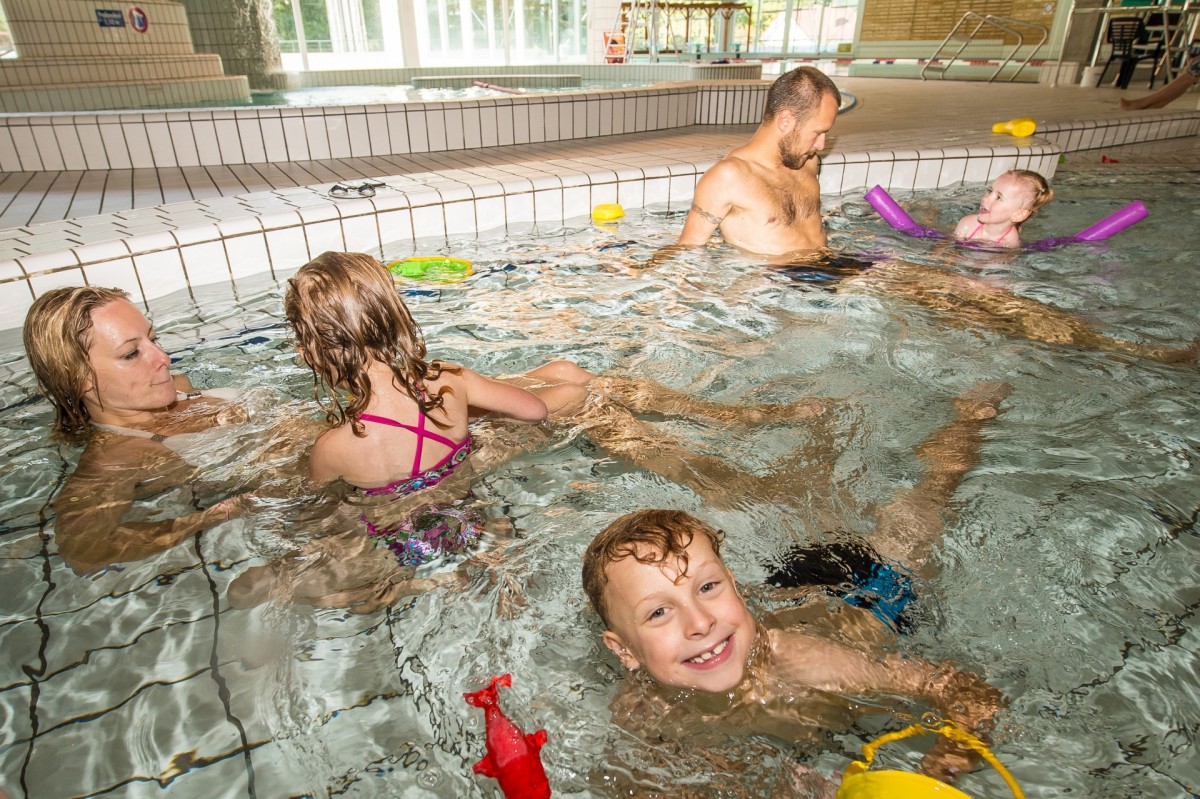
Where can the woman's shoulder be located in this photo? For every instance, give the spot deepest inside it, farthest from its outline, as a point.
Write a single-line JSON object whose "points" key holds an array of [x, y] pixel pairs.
{"points": [[111, 447]]}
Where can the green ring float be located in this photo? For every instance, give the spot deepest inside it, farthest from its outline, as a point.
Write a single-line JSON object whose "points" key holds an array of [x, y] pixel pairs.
{"points": [[436, 268]]}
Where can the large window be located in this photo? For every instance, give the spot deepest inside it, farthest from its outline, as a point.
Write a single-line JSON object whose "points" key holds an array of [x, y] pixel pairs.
{"points": [[344, 34], [501, 31], [6, 43], [809, 27]]}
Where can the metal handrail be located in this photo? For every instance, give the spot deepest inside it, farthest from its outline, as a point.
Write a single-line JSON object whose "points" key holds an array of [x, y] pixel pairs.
{"points": [[1005, 24]]}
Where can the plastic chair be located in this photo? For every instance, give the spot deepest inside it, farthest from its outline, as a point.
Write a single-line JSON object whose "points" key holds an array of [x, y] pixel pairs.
{"points": [[1130, 45]]}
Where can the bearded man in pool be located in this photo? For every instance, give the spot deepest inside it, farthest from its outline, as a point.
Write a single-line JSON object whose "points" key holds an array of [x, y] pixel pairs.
{"points": [[764, 196], [765, 199]]}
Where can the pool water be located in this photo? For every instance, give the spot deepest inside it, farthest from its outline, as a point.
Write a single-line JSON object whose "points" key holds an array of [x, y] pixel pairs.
{"points": [[1067, 574], [407, 93]]}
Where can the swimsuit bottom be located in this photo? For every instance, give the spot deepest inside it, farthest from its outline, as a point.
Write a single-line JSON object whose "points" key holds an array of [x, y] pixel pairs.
{"points": [[855, 573], [826, 271], [429, 532]]}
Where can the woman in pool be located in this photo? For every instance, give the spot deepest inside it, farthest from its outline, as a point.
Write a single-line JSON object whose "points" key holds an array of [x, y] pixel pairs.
{"points": [[97, 360], [1012, 199]]}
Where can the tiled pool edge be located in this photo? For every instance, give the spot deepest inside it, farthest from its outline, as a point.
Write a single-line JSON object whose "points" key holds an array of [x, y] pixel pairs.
{"points": [[156, 265], [232, 136]]}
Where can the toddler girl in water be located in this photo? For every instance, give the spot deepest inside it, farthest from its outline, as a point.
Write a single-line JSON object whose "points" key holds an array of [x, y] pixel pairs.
{"points": [[399, 420], [1013, 198]]}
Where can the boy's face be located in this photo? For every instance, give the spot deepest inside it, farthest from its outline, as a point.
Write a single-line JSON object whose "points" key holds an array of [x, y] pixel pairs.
{"points": [[686, 632]]}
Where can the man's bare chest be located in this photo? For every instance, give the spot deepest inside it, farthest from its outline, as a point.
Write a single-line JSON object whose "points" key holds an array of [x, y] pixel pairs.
{"points": [[782, 201]]}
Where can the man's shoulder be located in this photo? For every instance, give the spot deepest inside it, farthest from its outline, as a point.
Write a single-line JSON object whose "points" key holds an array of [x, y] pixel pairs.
{"points": [[732, 174], [734, 164]]}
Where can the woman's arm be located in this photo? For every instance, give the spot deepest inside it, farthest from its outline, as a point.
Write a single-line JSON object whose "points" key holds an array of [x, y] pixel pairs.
{"points": [[91, 531]]}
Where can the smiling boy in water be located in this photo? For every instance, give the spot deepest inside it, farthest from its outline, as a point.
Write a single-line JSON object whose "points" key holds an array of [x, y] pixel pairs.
{"points": [[674, 616]]}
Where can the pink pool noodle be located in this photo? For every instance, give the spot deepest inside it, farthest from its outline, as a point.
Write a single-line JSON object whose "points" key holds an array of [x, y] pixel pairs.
{"points": [[897, 217]]}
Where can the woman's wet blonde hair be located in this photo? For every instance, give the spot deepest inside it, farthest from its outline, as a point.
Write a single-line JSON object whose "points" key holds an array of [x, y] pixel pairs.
{"points": [[1038, 187], [57, 335], [346, 312]]}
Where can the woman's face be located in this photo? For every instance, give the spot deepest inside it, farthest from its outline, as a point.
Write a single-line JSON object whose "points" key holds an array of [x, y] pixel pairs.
{"points": [[132, 371]]}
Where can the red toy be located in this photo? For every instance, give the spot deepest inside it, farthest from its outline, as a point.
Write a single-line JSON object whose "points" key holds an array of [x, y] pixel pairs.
{"points": [[512, 756]]}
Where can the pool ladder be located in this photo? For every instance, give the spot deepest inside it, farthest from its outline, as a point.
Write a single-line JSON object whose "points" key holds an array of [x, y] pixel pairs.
{"points": [[1008, 26]]}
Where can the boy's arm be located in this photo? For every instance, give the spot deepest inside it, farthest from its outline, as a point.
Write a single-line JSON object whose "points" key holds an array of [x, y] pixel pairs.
{"points": [[960, 696]]}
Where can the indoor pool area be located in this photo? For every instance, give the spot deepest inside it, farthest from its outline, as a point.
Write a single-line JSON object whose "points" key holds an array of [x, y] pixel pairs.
{"points": [[252, 660]]}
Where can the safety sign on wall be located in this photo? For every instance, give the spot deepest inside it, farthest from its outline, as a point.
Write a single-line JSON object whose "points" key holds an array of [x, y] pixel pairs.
{"points": [[138, 19], [110, 18]]}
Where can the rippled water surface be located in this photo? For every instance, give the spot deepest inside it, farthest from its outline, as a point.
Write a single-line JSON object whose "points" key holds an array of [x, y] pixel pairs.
{"points": [[1067, 575]]}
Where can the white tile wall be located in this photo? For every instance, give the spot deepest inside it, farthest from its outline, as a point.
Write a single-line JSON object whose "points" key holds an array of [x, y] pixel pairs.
{"points": [[273, 135]]}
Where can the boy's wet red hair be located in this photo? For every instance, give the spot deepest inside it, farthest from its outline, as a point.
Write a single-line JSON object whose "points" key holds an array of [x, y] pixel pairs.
{"points": [[647, 536]]}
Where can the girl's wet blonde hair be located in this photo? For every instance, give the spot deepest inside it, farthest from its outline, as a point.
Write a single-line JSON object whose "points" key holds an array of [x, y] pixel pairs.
{"points": [[1038, 187], [58, 335], [345, 311]]}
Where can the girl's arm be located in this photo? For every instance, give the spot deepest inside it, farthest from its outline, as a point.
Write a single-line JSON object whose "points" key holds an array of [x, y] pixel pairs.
{"points": [[324, 460], [508, 400]]}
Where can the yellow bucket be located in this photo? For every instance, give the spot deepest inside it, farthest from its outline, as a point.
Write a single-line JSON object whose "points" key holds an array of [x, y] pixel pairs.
{"points": [[858, 783], [896, 785], [606, 212]]}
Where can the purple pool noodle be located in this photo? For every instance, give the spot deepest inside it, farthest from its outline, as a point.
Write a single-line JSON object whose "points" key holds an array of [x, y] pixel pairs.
{"points": [[1107, 227], [889, 209], [897, 217], [1050, 244], [1114, 223]]}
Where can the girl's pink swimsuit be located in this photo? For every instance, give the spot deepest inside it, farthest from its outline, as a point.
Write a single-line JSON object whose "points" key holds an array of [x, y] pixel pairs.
{"points": [[431, 530], [997, 241]]}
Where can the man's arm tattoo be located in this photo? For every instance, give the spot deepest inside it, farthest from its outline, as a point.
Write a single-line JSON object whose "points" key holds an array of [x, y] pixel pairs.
{"points": [[714, 219]]}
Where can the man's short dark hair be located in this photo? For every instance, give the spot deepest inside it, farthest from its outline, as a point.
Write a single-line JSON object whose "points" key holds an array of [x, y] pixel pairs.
{"points": [[801, 92]]}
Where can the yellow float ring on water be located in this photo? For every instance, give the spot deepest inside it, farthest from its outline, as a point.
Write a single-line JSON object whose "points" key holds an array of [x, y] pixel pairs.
{"points": [[858, 783], [606, 212], [438, 268]]}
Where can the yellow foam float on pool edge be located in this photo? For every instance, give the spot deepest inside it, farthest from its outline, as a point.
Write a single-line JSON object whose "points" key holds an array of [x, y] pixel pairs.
{"points": [[1019, 127], [858, 783], [437, 268], [606, 212]]}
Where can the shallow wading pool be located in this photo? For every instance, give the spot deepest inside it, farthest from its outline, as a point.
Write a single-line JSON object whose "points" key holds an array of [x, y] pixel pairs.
{"points": [[1067, 574]]}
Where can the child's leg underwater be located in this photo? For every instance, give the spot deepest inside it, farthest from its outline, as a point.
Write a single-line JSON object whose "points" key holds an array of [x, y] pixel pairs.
{"points": [[908, 528]]}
